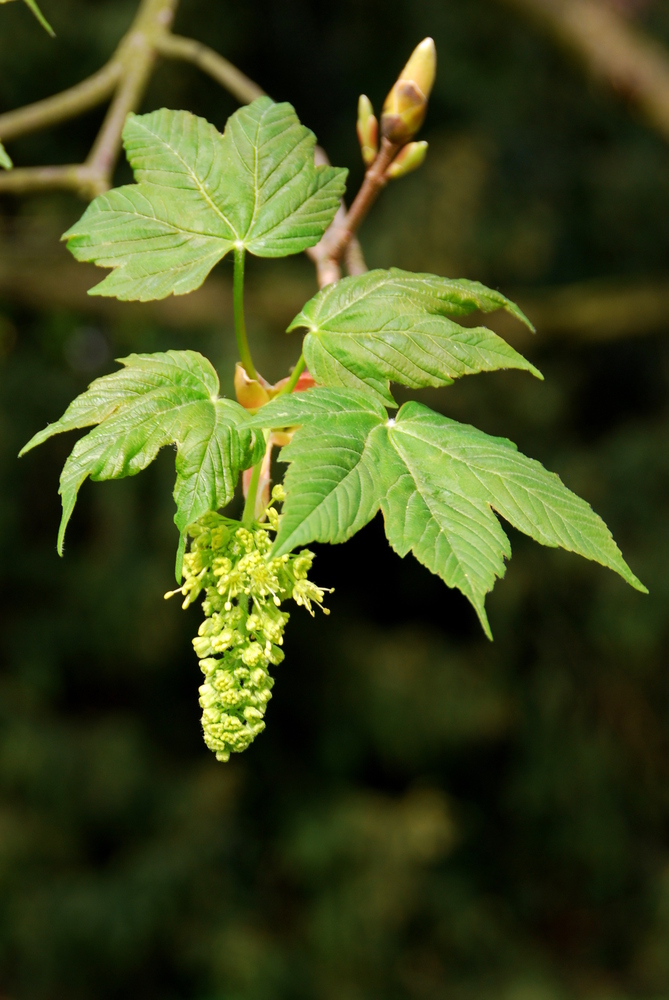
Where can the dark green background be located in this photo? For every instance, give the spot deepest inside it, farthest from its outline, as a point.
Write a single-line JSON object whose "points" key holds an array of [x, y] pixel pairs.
{"points": [[427, 816]]}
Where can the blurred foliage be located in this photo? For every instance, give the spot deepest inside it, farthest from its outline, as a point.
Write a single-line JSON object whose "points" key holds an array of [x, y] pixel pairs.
{"points": [[427, 816]]}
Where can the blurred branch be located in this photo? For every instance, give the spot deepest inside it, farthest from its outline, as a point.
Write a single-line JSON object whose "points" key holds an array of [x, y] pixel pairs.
{"points": [[36, 271], [601, 310], [229, 77], [614, 51], [124, 79], [85, 95]]}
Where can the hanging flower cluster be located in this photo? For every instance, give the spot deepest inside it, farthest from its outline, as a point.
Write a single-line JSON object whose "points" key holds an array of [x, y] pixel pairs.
{"points": [[243, 628]]}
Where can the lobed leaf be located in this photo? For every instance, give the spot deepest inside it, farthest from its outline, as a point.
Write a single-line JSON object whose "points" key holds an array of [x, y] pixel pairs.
{"points": [[156, 400], [330, 489], [439, 484], [383, 326], [200, 193], [459, 467]]}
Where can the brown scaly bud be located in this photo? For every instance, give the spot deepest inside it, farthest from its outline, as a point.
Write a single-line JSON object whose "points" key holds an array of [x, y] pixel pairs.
{"points": [[409, 158], [251, 393], [368, 130], [406, 104]]}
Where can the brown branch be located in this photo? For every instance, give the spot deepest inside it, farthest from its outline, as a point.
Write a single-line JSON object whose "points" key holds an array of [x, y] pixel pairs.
{"points": [[340, 239], [354, 259], [372, 186], [328, 269], [229, 77], [614, 51]]}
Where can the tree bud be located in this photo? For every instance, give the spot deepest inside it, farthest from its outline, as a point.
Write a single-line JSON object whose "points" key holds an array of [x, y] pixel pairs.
{"points": [[249, 391], [406, 104], [368, 130], [409, 158]]}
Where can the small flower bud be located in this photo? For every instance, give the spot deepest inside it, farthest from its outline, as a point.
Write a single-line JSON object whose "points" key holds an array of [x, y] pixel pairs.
{"points": [[249, 391], [409, 158], [406, 104], [368, 130]]}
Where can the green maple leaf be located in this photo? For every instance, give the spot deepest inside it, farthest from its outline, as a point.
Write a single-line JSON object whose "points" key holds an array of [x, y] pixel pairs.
{"points": [[200, 194], [5, 161], [439, 485], [156, 400], [394, 326]]}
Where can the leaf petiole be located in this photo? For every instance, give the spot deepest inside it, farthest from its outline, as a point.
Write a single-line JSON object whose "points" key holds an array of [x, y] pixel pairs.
{"points": [[238, 306], [294, 376]]}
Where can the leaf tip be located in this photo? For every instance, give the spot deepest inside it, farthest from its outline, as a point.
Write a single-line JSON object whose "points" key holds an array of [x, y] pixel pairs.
{"points": [[485, 624], [300, 322], [34, 441], [477, 601], [518, 313], [635, 582]]}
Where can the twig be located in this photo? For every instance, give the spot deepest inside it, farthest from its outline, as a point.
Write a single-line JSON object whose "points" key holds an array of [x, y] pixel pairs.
{"points": [[53, 110], [341, 233], [23, 180], [613, 50], [375, 180], [229, 77], [354, 259], [124, 78], [139, 58], [340, 239]]}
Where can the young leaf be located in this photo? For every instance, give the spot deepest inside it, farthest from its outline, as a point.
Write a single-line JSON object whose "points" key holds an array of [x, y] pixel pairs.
{"points": [[5, 161], [393, 325], [459, 475], [200, 193], [439, 484], [156, 400], [331, 492]]}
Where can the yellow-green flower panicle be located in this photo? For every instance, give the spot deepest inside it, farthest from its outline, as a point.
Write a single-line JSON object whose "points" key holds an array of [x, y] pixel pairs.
{"points": [[242, 633]]}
